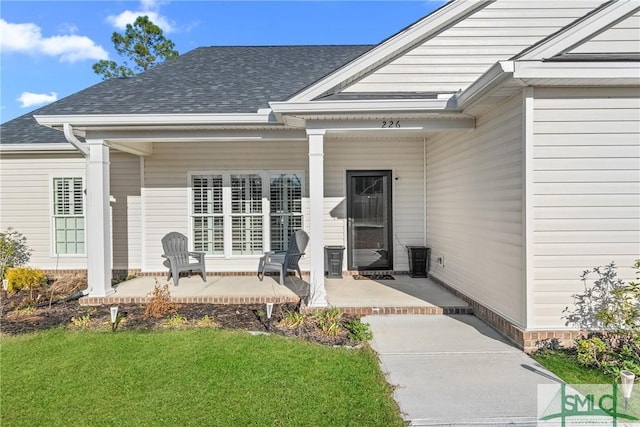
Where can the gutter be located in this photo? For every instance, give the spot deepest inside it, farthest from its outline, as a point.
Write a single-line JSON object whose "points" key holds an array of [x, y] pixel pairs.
{"points": [[263, 116], [36, 148], [500, 72]]}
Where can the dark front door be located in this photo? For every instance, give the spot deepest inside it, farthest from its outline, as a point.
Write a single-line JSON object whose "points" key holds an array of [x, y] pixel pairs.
{"points": [[369, 220]]}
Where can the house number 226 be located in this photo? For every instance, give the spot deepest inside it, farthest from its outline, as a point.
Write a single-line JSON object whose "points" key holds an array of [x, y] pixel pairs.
{"points": [[391, 123]]}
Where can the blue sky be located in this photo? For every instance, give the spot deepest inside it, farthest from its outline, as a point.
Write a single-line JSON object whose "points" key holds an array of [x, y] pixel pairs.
{"points": [[47, 48]]}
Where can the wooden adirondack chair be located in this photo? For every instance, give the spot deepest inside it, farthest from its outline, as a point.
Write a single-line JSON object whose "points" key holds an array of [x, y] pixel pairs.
{"points": [[179, 258], [284, 261]]}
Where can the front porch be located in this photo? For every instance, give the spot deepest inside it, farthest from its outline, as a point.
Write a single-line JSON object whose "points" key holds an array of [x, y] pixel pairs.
{"points": [[404, 295]]}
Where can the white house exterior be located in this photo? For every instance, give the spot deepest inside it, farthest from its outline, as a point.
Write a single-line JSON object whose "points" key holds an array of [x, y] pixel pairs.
{"points": [[504, 135]]}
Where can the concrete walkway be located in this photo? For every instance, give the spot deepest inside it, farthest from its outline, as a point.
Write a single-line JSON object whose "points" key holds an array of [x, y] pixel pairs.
{"points": [[456, 370]]}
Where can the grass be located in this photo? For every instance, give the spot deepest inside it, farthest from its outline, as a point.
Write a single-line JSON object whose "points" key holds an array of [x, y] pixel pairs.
{"points": [[565, 366], [188, 377]]}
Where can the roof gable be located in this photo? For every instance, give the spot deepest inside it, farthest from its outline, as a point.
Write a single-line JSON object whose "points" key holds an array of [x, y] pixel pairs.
{"points": [[584, 32], [453, 59], [449, 49]]}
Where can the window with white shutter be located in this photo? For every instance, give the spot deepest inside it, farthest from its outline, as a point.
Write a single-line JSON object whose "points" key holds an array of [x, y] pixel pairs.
{"points": [[285, 197], [208, 219], [244, 213], [68, 215]]}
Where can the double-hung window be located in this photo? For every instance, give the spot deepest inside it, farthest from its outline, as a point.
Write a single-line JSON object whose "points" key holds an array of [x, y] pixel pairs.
{"points": [[207, 214], [68, 215], [285, 196], [244, 213]]}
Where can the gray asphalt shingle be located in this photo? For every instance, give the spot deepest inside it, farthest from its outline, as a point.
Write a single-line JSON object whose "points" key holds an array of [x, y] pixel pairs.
{"points": [[234, 79]]}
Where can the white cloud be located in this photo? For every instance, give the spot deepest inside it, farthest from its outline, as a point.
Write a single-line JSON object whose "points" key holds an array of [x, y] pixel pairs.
{"points": [[28, 99], [148, 8], [27, 38]]}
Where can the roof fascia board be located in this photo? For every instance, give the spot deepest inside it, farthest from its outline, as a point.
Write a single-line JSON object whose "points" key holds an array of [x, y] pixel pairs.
{"points": [[110, 120], [37, 148], [619, 71], [360, 106], [138, 136], [401, 42], [573, 35]]}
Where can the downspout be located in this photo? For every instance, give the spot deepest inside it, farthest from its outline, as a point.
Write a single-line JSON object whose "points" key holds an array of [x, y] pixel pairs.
{"points": [[71, 138]]}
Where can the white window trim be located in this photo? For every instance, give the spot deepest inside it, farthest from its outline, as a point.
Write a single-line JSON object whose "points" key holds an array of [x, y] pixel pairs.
{"points": [[226, 206], [52, 217]]}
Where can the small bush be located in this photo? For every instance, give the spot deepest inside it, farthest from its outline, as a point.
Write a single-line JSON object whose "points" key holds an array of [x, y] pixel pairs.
{"points": [[25, 278], [175, 322], [610, 310], [358, 331], [14, 251], [82, 322], [205, 322], [328, 320], [159, 304], [291, 319]]}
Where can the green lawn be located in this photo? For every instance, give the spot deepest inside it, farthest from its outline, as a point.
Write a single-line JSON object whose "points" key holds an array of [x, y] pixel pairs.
{"points": [[200, 377], [565, 366]]}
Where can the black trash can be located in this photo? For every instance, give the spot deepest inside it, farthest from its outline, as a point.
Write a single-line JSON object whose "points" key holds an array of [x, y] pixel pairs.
{"points": [[333, 261], [419, 260]]}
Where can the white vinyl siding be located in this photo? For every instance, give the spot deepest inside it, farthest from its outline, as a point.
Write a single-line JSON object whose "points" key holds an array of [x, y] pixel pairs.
{"points": [[26, 182], [125, 211], [26, 189], [453, 59], [474, 210], [405, 158], [167, 199], [586, 201], [68, 216], [623, 37]]}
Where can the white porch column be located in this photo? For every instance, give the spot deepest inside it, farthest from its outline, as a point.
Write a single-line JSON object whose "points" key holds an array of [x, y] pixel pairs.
{"points": [[318, 294], [98, 223]]}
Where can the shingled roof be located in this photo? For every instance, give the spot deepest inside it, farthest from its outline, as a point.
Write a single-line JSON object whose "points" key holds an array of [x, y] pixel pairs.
{"points": [[235, 79]]}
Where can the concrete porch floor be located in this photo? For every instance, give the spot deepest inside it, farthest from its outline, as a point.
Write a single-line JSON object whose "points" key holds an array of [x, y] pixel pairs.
{"points": [[404, 295]]}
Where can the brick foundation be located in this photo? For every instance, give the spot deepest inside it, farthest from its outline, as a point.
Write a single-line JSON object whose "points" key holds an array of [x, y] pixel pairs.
{"points": [[529, 341], [94, 301]]}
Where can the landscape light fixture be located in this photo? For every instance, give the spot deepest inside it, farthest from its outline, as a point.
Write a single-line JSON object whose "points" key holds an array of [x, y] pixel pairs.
{"points": [[269, 311], [114, 317], [5, 284], [627, 378]]}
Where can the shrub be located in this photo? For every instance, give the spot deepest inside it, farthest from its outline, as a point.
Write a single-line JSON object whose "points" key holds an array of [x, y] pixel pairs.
{"points": [[25, 278], [358, 331], [159, 303], [328, 320], [175, 322], [610, 310], [291, 319], [14, 251]]}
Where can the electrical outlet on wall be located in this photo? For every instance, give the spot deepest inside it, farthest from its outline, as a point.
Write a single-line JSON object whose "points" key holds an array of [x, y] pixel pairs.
{"points": [[441, 260]]}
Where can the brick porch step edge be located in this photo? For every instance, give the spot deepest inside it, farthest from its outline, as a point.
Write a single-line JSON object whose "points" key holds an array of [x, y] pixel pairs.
{"points": [[94, 301], [367, 311]]}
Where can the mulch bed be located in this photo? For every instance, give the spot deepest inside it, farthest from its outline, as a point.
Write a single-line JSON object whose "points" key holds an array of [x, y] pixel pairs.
{"points": [[17, 316]]}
